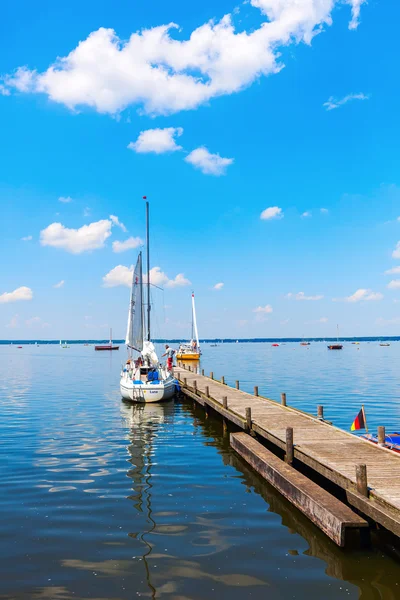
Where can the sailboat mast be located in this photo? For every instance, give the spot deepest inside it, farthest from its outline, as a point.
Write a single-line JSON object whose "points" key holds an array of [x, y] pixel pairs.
{"points": [[148, 269], [194, 321]]}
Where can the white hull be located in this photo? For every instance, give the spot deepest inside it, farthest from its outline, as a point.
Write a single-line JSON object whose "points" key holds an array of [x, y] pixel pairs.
{"points": [[147, 392]]}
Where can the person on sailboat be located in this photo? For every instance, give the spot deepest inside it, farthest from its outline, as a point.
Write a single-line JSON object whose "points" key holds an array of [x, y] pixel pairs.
{"points": [[169, 353]]}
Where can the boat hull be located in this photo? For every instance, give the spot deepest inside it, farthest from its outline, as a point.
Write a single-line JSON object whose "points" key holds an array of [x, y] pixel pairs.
{"points": [[100, 348], [188, 356], [147, 392]]}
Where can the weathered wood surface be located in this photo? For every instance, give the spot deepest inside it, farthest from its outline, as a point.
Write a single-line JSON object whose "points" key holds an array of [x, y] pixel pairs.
{"points": [[330, 451], [327, 512]]}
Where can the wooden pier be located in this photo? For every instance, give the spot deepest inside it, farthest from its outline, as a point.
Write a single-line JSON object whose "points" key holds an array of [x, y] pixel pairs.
{"points": [[368, 474]]}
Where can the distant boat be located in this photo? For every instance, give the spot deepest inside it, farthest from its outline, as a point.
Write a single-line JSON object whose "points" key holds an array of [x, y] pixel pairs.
{"points": [[275, 345], [109, 346], [191, 350], [384, 344], [237, 341], [304, 343], [19, 346], [336, 346]]}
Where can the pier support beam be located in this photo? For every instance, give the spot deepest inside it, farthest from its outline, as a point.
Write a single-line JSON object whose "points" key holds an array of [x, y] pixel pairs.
{"points": [[381, 436], [283, 399], [289, 446], [361, 478]]}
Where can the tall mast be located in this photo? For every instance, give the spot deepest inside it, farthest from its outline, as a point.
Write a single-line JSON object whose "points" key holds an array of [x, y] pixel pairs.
{"points": [[194, 321], [148, 268]]}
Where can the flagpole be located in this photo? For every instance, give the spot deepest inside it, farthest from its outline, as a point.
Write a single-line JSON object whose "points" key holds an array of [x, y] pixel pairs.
{"points": [[365, 418]]}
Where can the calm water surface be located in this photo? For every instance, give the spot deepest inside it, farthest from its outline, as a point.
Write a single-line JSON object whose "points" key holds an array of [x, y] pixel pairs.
{"points": [[107, 501]]}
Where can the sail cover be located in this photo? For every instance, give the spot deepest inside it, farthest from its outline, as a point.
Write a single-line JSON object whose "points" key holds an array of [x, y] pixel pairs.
{"points": [[134, 332]]}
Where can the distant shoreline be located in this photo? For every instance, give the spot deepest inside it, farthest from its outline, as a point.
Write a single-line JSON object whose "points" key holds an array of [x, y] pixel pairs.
{"points": [[214, 340]]}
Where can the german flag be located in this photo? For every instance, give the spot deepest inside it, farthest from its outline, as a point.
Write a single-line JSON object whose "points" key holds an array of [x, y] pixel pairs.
{"points": [[360, 422]]}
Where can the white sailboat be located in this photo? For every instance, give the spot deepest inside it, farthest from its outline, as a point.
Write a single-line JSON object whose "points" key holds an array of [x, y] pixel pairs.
{"points": [[143, 379], [191, 350]]}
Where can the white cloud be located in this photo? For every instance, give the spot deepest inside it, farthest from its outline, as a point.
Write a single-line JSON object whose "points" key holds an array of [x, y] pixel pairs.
{"points": [[393, 271], [273, 212], [21, 293], [396, 251], [86, 211], [13, 322], [394, 284], [316, 321], [209, 164], [157, 141], [117, 222], [263, 309], [65, 199], [129, 244], [122, 275], [333, 103], [165, 75], [324, 211], [27, 238], [86, 238], [218, 286], [36, 322], [60, 284], [361, 294], [302, 296], [306, 214]]}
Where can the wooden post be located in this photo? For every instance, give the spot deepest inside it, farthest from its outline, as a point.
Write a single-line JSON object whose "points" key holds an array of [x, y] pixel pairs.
{"points": [[237, 384], [283, 399], [211, 375], [190, 367], [195, 386], [185, 381], [289, 445], [222, 379], [202, 372], [224, 402], [381, 436], [207, 392], [320, 412], [248, 418], [361, 478], [256, 390]]}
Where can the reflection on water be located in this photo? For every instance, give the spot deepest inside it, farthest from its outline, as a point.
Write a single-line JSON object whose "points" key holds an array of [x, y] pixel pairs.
{"points": [[109, 501]]}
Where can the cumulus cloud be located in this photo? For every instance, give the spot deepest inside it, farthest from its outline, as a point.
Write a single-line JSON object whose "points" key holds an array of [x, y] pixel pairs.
{"points": [[157, 141], [60, 284], [273, 212], [359, 295], [393, 271], [209, 164], [27, 238], [117, 222], [324, 211], [218, 286], [306, 214], [162, 74], [86, 238], [21, 293], [122, 275], [396, 251], [263, 309], [394, 284], [65, 199], [333, 103], [129, 244], [302, 296]]}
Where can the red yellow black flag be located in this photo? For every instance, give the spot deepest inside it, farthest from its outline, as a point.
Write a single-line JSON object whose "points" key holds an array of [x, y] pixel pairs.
{"points": [[360, 422]]}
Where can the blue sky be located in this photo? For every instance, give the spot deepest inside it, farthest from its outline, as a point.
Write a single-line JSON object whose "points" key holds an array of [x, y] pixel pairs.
{"points": [[285, 106]]}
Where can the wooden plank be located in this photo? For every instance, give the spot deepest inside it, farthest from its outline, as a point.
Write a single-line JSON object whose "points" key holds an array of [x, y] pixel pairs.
{"points": [[327, 512], [327, 450]]}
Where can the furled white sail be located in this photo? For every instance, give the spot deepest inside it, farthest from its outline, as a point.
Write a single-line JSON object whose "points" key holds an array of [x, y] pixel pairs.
{"points": [[134, 332]]}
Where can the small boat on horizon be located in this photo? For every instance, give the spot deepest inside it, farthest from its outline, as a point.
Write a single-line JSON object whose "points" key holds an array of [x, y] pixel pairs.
{"points": [[276, 345], [109, 346], [384, 344], [336, 346]]}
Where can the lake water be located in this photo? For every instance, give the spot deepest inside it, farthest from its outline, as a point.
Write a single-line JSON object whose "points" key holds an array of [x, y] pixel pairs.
{"points": [[107, 501]]}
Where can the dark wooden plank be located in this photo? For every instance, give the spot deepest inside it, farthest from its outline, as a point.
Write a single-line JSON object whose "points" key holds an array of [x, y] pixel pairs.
{"points": [[327, 512]]}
